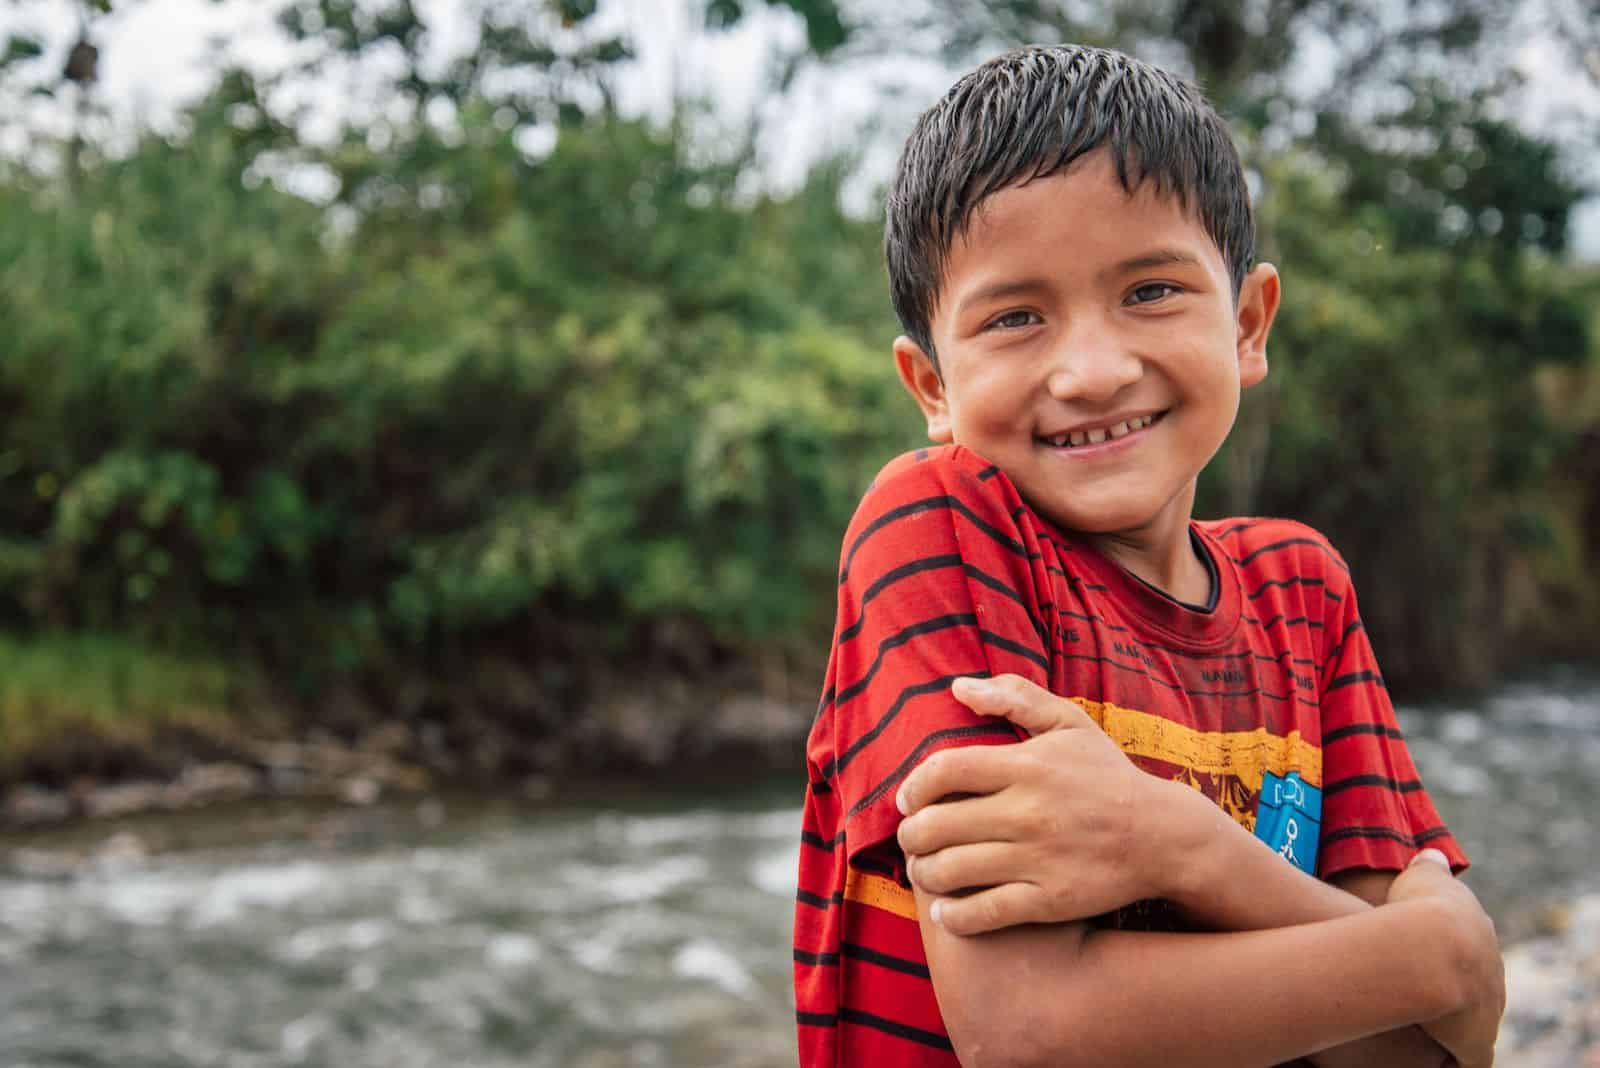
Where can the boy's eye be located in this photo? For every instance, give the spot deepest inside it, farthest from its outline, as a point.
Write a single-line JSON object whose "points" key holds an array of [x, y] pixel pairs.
{"points": [[1013, 320], [1151, 292]]}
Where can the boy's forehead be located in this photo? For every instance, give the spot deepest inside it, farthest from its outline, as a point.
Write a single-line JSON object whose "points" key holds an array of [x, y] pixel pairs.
{"points": [[1085, 203]]}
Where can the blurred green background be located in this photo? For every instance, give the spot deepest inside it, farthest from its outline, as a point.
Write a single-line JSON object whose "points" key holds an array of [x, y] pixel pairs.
{"points": [[520, 402]]}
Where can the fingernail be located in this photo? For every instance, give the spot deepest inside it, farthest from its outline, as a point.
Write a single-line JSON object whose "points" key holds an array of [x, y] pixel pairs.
{"points": [[972, 686], [1433, 856], [900, 801], [935, 911]]}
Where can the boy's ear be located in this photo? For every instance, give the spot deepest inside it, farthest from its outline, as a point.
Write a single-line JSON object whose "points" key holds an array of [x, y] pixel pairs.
{"points": [[1257, 307], [923, 382]]}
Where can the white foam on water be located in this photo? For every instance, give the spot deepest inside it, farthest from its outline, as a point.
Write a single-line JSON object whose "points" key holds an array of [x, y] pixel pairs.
{"points": [[706, 960], [675, 829], [621, 884], [512, 951], [422, 910], [781, 824], [232, 892], [312, 942], [1462, 728], [776, 873], [298, 1037]]}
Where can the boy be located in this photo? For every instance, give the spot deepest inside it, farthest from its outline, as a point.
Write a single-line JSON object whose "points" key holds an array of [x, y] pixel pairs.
{"points": [[1069, 243]]}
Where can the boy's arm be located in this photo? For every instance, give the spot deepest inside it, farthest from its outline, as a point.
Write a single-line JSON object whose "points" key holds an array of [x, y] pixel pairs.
{"points": [[1056, 839], [1068, 994]]}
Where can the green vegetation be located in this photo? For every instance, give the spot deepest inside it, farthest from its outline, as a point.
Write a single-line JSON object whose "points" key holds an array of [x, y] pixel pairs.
{"points": [[100, 686], [601, 412]]}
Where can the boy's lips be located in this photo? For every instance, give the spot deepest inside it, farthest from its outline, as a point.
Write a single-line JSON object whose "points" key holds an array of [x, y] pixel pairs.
{"points": [[1098, 437]]}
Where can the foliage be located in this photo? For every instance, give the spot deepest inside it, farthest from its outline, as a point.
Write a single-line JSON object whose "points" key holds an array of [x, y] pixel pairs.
{"points": [[598, 387], [58, 683], [570, 403]]}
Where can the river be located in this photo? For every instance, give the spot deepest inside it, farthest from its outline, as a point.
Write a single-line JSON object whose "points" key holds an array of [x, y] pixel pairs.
{"points": [[608, 928]]}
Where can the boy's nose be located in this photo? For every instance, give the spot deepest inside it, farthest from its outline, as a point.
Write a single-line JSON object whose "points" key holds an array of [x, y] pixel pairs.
{"points": [[1092, 365]]}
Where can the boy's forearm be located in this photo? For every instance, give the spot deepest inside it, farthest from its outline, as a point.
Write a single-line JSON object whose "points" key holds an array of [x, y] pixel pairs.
{"points": [[1065, 995], [1231, 883], [1226, 879]]}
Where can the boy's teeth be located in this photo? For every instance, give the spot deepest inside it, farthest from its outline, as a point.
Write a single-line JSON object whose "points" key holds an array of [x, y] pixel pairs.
{"points": [[1095, 437]]}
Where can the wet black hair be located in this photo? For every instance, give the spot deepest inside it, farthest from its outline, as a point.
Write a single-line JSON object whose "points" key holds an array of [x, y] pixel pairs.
{"points": [[1030, 113]]}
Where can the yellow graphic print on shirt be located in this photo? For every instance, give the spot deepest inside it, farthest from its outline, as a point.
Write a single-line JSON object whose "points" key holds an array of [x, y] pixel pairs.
{"points": [[1227, 766]]}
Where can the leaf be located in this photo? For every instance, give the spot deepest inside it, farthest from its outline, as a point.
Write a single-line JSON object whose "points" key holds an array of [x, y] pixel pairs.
{"points": [[19, 49]]}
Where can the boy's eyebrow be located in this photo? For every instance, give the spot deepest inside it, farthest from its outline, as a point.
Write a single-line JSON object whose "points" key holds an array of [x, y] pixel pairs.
{"points": [[996, 290], [1161, 257]]}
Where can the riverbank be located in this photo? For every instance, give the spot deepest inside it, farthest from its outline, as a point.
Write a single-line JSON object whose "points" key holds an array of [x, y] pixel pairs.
{"points": [[91, 771], [1553, 991]]}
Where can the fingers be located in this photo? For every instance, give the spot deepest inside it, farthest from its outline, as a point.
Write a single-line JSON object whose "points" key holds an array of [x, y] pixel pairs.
{"points": [[990, 910], [972, 819], [973, 769], [964, 867], [1029, 706]]}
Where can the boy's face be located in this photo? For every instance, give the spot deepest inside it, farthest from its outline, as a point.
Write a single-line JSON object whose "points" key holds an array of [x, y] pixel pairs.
{"points": [[1090, 346]]}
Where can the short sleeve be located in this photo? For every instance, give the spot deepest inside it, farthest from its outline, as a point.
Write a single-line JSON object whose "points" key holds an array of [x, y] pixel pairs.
{"points": [[1376, 813], [937, 581]]}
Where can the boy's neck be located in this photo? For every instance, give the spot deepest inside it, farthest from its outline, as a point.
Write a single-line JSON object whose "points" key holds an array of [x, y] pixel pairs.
{"points": [[1162, 555]]}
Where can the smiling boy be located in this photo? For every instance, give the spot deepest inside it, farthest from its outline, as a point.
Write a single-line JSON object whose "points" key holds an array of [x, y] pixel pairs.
{"points": [[1070, 250]]}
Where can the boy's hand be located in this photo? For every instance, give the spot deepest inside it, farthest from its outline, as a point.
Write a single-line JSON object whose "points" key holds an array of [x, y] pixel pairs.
{"points": [[1469, 1034], [1063, 827]]}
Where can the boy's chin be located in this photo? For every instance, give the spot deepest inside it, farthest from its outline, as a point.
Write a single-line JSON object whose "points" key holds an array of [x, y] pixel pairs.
{"points": [[1107, 521]]}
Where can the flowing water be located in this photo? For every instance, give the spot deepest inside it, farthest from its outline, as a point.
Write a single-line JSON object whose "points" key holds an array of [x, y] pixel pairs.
{"points": [[646, 928]]}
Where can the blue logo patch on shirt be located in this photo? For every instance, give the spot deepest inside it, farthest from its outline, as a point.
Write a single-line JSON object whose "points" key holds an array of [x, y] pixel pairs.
{"points": [[1289, 819]]}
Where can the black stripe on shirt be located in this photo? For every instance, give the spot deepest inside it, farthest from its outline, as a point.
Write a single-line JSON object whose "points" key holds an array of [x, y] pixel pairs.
{"points": [[862, 953], [1297, 621], [816, 841], [838, 763], [1354, 677], [884, 960], [1362, 728], [889, 578], [987, 473], [1237, 527], [894, 641], [1284, 584], [928, 504], [1389, 833], [895, 1028], [1288, 543], [978, 730], [877, 1023], [1399, 786], [817, 901], [932, 563], [1105, 623]]}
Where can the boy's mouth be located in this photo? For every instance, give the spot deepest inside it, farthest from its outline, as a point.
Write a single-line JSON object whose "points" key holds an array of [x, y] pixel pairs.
{"points": [[1097, 435]]}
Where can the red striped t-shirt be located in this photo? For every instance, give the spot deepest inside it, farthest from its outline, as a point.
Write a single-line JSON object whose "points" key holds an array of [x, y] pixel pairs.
{"points": [[1270, 703]]}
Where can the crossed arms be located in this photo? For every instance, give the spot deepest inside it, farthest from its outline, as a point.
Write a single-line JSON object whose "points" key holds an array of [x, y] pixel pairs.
{"points": [[1293, 967]]}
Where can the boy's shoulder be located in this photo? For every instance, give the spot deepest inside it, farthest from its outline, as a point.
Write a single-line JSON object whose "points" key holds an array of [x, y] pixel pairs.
{"points": [[1278, 550], [943, 477], [937, 465]]}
